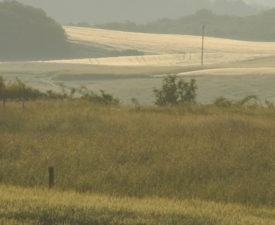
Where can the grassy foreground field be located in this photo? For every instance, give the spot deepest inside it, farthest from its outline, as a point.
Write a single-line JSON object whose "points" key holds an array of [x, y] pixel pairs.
{"points": [[22, 206], [201, 152]]}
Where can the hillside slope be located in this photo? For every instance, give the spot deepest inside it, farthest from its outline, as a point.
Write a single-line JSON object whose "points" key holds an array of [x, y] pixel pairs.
{"points": [[164, 49], [258, 27], [165, 43]]}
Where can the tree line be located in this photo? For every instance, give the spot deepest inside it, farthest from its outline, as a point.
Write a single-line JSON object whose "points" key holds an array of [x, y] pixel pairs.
{"points": [[259, 27], [28, 33]]}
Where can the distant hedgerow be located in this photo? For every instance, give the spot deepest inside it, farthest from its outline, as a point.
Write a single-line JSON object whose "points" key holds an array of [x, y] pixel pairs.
{"points": [[19, 91]]}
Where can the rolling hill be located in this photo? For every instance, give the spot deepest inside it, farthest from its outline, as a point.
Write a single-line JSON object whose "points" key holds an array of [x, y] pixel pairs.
{"points": [[135, 76], [165, 43], [164, 49]]}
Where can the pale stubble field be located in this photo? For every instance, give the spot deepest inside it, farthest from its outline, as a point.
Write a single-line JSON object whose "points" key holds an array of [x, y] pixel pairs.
{"points": [[232, 69]]}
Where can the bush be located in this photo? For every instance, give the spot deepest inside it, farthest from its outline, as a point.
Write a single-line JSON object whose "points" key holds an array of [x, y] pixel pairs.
{"points": [[102, 98], [19, 91], [223, 102], [2, 90], [176, 92], [248, 101]]}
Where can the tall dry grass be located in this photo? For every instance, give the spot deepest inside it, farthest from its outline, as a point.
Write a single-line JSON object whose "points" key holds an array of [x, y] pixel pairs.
{"points": [[21, 206], [203, 152]]}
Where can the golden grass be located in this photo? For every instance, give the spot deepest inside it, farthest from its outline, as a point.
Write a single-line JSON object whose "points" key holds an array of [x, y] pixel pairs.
{"points": [[202, 152], [20, 206]]}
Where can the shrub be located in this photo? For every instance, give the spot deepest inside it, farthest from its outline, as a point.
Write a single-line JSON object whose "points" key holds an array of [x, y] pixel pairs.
{"points": [[250, 100], [269, 104], [176, 92], [223, 102], [19, 91], [102, 98], [2, 90]]}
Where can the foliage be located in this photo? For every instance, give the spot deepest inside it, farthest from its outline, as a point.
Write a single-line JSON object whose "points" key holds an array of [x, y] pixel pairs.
{"points": [[269, 104], [19, 91], [248, 101], [223, 102], [136, 104], [175, 92], [102, 98], [2, 90], [27, 33]]}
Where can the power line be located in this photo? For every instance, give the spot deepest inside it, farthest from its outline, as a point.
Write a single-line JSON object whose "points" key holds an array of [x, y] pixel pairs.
{"points": [[202, 45]]}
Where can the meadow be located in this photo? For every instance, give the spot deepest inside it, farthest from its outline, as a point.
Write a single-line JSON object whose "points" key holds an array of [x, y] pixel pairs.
{"points": [[200, 165], [25, 206], [138, 164], [199, 152]]}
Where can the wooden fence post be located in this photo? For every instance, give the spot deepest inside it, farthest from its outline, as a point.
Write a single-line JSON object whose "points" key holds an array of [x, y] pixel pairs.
{"points": [[51, 177]]}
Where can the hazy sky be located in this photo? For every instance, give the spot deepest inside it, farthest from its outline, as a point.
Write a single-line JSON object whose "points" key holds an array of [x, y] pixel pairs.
{"points": [[101, 11], [262, 2]]}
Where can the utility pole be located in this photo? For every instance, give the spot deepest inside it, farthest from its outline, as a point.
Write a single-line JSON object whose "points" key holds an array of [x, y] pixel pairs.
{"points": [[202, 45]]}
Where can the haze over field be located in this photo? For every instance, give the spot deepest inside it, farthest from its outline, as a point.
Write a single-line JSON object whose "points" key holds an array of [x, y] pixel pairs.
{"points": [[131, 64], [102, 11], [137, 112]]}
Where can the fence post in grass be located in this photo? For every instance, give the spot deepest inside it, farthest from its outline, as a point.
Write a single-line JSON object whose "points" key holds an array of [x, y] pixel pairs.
{"points": [[51, 177]]}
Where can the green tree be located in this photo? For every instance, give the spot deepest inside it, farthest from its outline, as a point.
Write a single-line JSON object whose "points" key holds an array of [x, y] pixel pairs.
{"points": [[176, 92]]}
